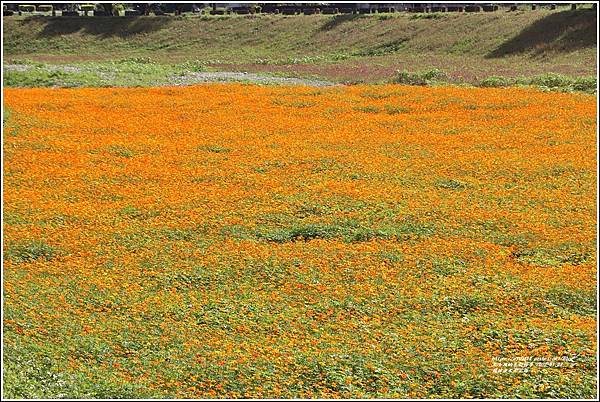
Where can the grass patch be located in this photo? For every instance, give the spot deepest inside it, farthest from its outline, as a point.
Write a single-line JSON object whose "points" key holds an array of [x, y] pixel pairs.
{"points": [[448, 266], [566, 253], [120, 151], [348, 231], [467, 303], [133, 213], [215, 149], [451, 184], [574, 301], [10, 127], [300, 233], [367, 109], [39, 77], [391, 109], [29, 251], [427, 16], [133, 71]]}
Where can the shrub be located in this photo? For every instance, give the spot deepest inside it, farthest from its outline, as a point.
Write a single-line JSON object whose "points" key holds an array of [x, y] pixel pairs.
{"points": [[46, 8], [585, 84], [28, 8], [551, 82], [558, 82], [87, 7], [118, 9], [494, 81], [420, 78], [194, 66], [299, 233]]}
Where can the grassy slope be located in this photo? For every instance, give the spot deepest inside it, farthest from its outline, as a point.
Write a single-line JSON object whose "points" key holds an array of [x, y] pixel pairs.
{"points": [[369, 48]]}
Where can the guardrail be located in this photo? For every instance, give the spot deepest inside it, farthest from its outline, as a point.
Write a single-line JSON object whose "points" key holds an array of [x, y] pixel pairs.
{"points": [[284, 10]]}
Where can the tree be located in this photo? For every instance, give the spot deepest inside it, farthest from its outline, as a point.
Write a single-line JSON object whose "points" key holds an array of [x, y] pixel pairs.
{"points": [[108, 8], [144, 8]]}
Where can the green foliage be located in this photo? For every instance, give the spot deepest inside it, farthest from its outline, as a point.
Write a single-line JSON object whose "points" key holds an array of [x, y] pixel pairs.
{"points": [[28, 8], [391, 109], [35, 372], [135, 60], [451, 184], [373, 95], [448, 266], [367, 109], [30, 251], [420, 78], [427, 16], [495, 81], [38, 77], [573, 300], [585, 84], [131, 212], [566, 253], [131, 71], [302, 233], [120, 151], [563, 83], [217, 149], [299, 104], [385, 16], [549, 82], [349, 231], [467, 303], [6, 115], [194, 66], [119, 9]]}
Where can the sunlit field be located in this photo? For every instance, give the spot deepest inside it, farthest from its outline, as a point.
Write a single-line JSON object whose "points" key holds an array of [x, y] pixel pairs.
{"points": [[233, 240]]}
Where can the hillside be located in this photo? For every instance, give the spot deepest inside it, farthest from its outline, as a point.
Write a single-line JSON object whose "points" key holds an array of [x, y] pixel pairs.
{"points": [[360, 47]]}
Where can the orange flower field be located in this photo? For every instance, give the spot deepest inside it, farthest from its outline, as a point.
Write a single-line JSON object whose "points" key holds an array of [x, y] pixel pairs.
{"points": [[232, 240]]}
